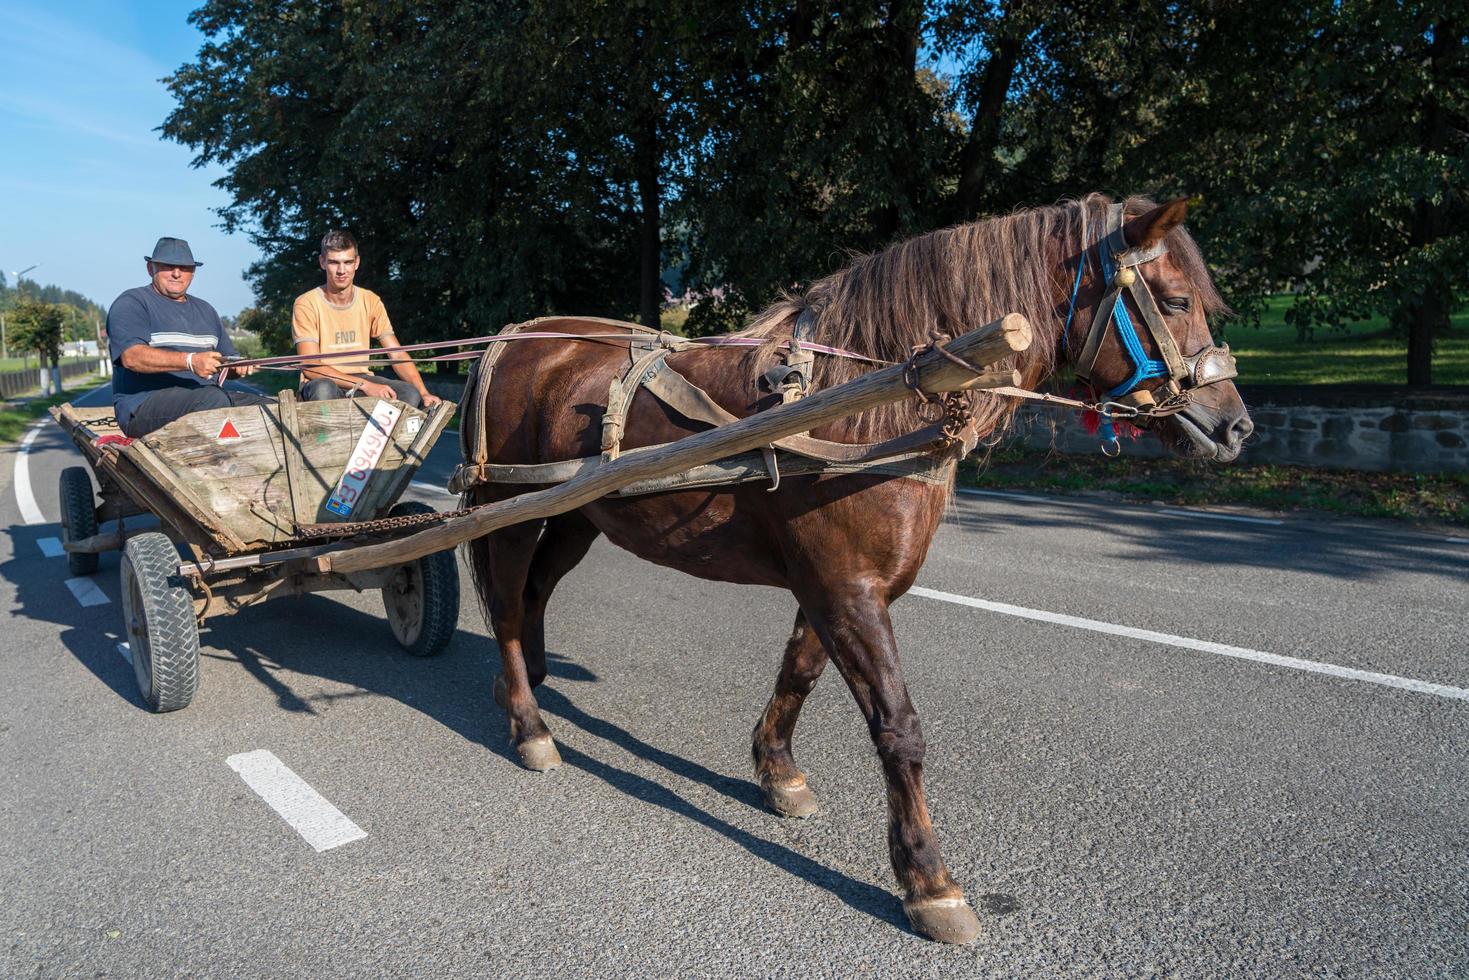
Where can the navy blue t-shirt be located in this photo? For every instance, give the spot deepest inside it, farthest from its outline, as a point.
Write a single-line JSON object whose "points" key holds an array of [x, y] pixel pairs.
{"points": [[141, 316]]}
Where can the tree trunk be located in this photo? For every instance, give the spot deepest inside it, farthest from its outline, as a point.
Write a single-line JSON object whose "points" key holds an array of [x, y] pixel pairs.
{"points": [[984, 132], [1429, 312], [1426, 319], [650, 250]]}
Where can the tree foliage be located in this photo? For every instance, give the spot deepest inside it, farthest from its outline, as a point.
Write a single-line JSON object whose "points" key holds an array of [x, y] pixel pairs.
{"points": [[509, 158], [38, 327]]}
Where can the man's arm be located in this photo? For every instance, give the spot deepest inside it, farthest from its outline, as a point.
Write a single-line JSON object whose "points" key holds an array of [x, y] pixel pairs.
{"points": [[404, 367], [128, 331], [155, 360]]}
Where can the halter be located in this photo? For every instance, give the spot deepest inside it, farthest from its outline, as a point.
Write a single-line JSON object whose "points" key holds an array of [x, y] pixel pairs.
{"points": [[1184, 373]]}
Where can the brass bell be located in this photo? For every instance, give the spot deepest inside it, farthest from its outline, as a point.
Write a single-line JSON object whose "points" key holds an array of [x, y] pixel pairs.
{"points": [[1125, 277]]}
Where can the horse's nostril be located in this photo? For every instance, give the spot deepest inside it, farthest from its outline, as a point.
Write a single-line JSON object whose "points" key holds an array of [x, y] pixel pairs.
{"points": [[1240, 429]]}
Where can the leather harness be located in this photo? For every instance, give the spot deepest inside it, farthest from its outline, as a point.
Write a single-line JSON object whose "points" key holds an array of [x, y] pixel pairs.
{"points": [[926, 454]]}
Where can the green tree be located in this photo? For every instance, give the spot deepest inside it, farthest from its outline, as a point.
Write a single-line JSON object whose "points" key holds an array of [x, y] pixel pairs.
{"points": [[38, 326]]}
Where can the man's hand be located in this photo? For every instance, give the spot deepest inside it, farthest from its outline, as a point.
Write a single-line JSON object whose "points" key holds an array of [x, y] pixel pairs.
{"points": [[429, 399], [372, 389], [244, 372], [204, 363]]}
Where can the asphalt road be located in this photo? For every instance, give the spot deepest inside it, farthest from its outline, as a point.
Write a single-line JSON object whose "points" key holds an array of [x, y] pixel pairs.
{"points": [[1113, 804]]}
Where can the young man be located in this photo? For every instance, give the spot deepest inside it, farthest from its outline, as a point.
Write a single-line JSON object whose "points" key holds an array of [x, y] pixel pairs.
{"points": [[340, 317], [167, 347]]}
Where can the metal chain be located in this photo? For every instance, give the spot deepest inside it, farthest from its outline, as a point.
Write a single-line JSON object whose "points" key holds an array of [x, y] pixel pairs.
{"points": [[352, 529]]}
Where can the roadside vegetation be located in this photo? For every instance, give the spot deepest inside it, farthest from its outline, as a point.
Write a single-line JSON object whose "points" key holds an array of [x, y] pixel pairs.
{"points": [[17, 415], [1362, 352]]}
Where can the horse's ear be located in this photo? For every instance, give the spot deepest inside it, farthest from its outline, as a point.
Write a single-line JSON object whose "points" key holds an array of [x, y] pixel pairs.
{"points": [[1147, 230]]}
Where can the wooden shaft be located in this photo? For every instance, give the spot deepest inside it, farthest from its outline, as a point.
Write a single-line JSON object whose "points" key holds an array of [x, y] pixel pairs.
{"points": [[936, 373]]}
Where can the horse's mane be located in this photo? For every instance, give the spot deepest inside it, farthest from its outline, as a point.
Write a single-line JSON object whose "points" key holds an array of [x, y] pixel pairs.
{"points": [[951, 281]]}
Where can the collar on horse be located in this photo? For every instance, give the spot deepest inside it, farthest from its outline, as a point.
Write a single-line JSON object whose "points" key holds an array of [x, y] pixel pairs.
{"points": [[1183, 372]]}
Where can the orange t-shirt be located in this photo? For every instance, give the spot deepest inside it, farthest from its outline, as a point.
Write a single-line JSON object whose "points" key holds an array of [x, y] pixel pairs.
{"points": [[340, 329]]}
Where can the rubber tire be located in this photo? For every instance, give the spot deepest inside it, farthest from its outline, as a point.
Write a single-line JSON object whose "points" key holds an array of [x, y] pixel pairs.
{"points": [[78, 517], [436, 578], [158, 614]]}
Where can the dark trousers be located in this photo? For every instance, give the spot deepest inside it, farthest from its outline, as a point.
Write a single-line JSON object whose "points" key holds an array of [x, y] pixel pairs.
{"points": [[167, 404], [323, 389]]}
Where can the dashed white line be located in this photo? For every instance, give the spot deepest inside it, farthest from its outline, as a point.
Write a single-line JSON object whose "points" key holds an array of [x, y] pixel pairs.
{"points": [[50, 547], [1219, 517], [29, 512], [308, 813], [87, 592], [1204, 646]]}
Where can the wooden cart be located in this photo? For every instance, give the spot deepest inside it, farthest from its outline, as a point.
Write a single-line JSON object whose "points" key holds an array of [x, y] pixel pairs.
{"points": [[254, 495]]}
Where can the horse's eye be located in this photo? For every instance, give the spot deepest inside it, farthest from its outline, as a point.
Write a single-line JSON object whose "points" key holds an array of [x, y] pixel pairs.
{"points": [[1176, 304]]}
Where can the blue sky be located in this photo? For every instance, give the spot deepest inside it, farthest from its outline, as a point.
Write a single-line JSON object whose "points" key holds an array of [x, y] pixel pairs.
{"points": [[86, 183]]}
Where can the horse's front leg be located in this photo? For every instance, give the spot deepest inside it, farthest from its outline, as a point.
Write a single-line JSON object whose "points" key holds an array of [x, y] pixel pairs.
{"points": [[858, 634], [782, 783], [507, 556]]}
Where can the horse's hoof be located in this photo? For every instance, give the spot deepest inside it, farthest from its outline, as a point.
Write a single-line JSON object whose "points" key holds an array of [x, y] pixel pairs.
{"points": [[502, 692], [948, 920], [793, 799], [539, 754]]}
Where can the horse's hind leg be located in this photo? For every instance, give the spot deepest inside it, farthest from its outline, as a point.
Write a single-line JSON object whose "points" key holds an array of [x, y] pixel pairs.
{"points": [[859, 636], [562, 547], [782, 783], [508, 553]]}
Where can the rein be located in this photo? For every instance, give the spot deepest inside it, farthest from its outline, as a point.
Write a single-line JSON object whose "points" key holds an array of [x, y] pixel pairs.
{"points": [[288, 362]]}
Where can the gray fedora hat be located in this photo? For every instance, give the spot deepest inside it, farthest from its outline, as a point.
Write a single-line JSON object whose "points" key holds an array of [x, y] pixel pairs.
{"points": [[172, 251]]}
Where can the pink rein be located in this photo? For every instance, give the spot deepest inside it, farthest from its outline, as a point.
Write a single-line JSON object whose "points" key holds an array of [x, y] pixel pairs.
{"points": [[293, 361]]}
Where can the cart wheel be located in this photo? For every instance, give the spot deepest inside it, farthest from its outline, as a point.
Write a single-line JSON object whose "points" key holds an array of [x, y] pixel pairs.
{"points": [[158, 611], [78, 517], [422, 600]]}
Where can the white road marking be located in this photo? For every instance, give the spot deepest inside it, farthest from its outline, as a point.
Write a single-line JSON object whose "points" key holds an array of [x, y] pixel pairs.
{"points": [[432, 488], [126, 651], [1006, 494], [50, 547], [308, 812], [1219, 517], [29, 512], [86, 592], [1205, 646]]}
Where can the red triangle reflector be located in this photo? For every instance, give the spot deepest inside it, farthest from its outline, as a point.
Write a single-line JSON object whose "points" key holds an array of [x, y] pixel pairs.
{"points": [[228, 431]]}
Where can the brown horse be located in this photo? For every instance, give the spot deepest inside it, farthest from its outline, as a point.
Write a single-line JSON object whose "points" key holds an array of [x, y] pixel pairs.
{"points": [[846, 545]]}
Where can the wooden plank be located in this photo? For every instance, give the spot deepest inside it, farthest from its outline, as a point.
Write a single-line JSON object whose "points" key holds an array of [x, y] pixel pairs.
{"points": [[329, 432], [370, 504], [180, 495], [301, 511], [413, 456], [935, 373], [136, 484]]}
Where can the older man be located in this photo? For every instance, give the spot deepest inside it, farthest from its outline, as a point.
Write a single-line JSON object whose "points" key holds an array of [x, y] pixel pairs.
{"points": [[339, 317], [167, 347]]}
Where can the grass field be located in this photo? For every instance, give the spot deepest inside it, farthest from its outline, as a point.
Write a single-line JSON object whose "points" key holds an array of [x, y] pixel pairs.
{"points": [[1364, 353], [19, 363]]}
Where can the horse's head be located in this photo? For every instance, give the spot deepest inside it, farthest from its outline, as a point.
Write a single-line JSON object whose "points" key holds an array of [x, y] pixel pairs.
{"points": [[1137, 332]]}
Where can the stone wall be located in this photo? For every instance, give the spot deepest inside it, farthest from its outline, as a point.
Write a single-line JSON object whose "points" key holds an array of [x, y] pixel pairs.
{"points": [[1359, 427]]}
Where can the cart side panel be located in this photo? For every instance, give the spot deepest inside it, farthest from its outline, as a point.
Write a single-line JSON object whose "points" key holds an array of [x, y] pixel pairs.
{"points": [[232, 461]]}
